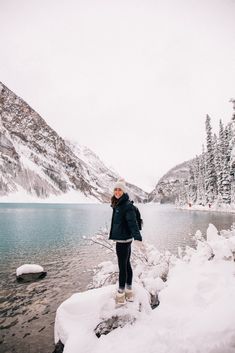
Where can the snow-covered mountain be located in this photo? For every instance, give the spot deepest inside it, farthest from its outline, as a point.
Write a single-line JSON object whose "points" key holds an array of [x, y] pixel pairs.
{"points": [[171, 184], [36, 161]]}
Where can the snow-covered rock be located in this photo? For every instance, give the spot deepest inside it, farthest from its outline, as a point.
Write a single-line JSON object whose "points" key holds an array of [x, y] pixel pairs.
{"points": [[212, 233], [30, 272], [29, 268], [90, 314]]}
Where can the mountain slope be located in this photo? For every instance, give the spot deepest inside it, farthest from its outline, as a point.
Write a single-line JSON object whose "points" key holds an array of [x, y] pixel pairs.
{"points": [[36, 160], [171, 184]]}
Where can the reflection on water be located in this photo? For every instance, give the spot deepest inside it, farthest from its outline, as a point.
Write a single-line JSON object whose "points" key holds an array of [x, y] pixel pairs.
{"points": [[52, 236], [167, 227]]}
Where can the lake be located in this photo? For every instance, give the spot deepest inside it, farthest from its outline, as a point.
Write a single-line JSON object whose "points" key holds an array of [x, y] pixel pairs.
{"points": [[52, 235]]}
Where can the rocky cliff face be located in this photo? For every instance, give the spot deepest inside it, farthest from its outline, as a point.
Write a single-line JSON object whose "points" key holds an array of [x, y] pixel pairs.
{"points": [[171, 185], [33, 157]]}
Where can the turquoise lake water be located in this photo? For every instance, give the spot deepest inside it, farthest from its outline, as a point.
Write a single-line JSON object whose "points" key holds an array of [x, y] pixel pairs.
{"points": [[32, 231], [42, 231]]}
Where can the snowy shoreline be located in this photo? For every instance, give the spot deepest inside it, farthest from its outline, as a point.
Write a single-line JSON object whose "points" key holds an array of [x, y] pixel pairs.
{"points": [[213, 208], [69, 197], [196, 312]]}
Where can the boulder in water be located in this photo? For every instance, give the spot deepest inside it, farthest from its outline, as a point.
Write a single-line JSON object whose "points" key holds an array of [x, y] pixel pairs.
{"points": [[30, 273]]}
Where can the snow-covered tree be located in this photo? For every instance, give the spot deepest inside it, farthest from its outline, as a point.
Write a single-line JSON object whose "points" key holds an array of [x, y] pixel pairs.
{"points": [[211, 176], [226, 179], [232, 100], [198, 180], [232, 158], [220, 159], [192, 186], [210, 173]]}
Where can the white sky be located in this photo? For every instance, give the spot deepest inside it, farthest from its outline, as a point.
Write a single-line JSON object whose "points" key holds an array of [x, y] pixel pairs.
{"points": [[132, 80]]}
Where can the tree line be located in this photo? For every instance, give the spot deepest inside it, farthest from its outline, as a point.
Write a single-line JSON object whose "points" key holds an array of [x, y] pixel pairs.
{"points": [[211, 179]]}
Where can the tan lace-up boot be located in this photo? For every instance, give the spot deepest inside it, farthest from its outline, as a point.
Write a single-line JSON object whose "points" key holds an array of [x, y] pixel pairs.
{"points": [[129, 295], [120, 298]]}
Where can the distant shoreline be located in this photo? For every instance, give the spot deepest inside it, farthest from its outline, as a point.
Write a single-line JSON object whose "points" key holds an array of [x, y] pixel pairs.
{"points": [[207, 208]]}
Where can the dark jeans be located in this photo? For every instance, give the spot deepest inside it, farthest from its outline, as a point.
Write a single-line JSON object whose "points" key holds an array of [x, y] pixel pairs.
{"points": [[123, 251]]}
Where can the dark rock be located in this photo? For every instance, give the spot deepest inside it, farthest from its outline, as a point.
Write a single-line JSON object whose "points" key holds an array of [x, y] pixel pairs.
{"points": [[59, 347], [110, 324], [164, 277], [30, 277], [211, 257], [154, 301]]}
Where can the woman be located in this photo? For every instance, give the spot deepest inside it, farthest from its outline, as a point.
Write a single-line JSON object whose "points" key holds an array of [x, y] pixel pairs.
{"points": [[124, 228]]}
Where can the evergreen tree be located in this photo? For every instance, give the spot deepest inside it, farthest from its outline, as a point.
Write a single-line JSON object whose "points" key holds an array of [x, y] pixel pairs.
{"points": [[210, 173], [226, 180], [232, 100], [232, 157], [200, 192], [192, 188], [220, 156]]}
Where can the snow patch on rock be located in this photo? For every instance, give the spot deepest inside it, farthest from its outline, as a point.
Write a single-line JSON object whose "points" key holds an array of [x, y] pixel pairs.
{"points": [[29, 268]]}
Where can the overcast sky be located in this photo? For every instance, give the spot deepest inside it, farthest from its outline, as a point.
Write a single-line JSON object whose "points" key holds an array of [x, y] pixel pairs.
{"points": [[132, 80]]}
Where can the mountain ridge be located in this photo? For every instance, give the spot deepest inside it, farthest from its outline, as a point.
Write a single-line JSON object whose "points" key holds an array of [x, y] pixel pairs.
{"points": [[170, 185], [35, 158]]}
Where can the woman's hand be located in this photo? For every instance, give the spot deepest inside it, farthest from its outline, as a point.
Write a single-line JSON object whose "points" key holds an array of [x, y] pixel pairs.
{"points": [[139, 244]]}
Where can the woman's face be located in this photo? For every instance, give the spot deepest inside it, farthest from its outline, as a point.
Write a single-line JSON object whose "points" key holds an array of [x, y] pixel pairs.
{"points": [[118, 192]]}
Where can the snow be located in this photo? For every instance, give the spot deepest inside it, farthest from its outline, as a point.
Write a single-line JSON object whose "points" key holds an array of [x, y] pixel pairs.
{"points": [[212, 233], [196, 312], [77, 316], [26, 160], [24, 153], [73, 196], [214, 208], [232, 160], [29, 268]]}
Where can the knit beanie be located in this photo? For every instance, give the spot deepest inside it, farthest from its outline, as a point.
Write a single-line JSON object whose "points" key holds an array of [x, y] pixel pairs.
{"points": [[120, 183]]}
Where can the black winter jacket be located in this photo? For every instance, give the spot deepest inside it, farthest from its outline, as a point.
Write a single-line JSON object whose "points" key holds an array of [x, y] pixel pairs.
{"points": [[124, 223]]}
